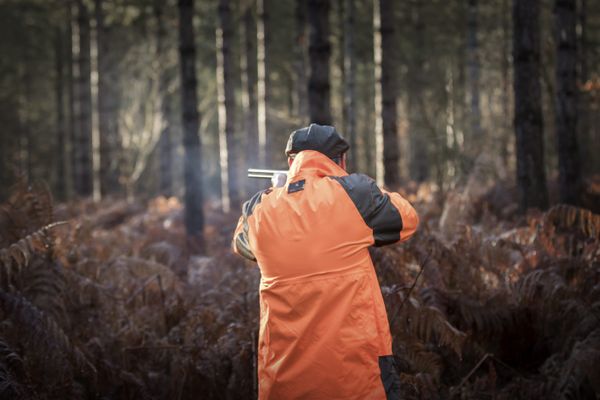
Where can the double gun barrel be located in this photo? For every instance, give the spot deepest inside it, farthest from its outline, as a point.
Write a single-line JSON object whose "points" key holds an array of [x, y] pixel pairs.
{"points": [[264, 173]]}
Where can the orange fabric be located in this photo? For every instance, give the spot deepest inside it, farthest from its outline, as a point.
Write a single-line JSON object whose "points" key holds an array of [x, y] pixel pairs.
{"points": [[323, 322], [410, 219]]}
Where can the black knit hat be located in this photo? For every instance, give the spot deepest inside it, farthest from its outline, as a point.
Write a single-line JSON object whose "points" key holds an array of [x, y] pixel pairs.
{"points": [[321, 138]]}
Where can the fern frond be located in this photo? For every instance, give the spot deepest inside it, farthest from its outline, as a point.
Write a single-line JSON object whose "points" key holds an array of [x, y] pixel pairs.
{"points": [[12, 373], [576, 219], [420, 358], [18, 255], [43, 284], [35, 201], [43, 334], [580, 376], [429, 325], [539, 284]]}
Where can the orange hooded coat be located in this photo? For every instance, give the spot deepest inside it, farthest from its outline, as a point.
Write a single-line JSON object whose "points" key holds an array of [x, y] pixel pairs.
{"points": [[324, 332]]}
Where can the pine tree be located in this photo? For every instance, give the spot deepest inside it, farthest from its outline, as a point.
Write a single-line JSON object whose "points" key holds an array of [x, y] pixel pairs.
{"points": [[531, 176]]}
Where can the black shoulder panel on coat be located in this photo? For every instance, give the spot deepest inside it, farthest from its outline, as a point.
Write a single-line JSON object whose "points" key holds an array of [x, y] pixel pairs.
{"points": [[242, 241], [250, 205], [374, 206]]}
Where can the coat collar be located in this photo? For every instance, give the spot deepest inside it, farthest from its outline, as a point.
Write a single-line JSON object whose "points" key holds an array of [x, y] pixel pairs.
{"points": [[310, 162]]}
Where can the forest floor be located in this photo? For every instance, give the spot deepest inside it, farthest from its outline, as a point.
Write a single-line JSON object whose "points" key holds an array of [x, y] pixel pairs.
{"points": [[483, 302]]}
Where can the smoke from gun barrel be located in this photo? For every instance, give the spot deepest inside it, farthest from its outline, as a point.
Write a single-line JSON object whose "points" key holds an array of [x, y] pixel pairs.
{"points": [[264, 173]]}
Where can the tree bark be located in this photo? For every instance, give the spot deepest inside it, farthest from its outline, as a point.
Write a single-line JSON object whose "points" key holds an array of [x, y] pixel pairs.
{"points": [[419, 157], [386, 135], [71, 100], [194, 216], [262, 87], [584, 123], [227, 152], [301, 84], [531, 176], [473, 70], [505, 134], [165, 144], [107, 118], [61, 131], [248, 68], [350, 82], [566, 101], [83, 143], [319, 51]]}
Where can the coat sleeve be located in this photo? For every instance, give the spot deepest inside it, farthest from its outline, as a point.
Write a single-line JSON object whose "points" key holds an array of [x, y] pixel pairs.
{"points": [[408, 215], [391, 217], [241, 242]]}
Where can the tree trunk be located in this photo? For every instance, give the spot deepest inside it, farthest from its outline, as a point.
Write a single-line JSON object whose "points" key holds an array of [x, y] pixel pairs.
{"points": [[107, 118], [72, 55], [319, 51], [586, 137], [505, 134], [566, 101], [301, 84], [61, 131], [350, 83], [386, 136], [165, 142], [83, 143], [531, 177], [225, 86], [248, 68], [473, 69], [194, 216], [419, 158], [262, 87]]}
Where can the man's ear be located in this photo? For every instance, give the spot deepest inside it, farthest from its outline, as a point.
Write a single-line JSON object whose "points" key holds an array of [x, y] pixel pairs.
{"points": [[290, 161]]}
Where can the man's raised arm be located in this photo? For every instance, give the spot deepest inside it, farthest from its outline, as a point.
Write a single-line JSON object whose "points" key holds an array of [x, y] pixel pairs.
{"points": [[391, 217]]}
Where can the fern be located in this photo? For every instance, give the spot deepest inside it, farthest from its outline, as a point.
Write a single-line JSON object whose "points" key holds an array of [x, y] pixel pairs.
{"points": [[430, 324], [580, 377], [421, 359], [44, 335], [43, 284], [579, 220], [13, 379], [18, 255], [34, 201]]}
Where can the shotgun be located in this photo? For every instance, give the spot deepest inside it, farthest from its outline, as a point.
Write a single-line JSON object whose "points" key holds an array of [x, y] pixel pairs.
{"points": [[264, 173], [277, 177]]}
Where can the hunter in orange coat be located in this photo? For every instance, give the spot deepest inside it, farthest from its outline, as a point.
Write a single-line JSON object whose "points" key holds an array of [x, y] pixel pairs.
{"points": [[324, 332]]}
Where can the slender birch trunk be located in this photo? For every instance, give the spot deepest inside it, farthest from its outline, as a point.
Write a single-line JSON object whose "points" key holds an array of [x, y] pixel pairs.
{"points": [[387, 152], [248, 68], [227, 152], [262, 87]]}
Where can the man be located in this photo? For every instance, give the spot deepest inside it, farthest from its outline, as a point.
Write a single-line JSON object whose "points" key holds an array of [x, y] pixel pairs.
{"points": [[324, 332]]}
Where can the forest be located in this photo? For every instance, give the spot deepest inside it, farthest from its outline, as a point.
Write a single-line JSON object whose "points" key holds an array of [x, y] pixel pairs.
{"points": [[128, 127]]}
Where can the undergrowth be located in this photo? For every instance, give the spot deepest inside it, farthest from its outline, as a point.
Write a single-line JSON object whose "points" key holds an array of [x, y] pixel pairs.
{"points": [[108, 304]]}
